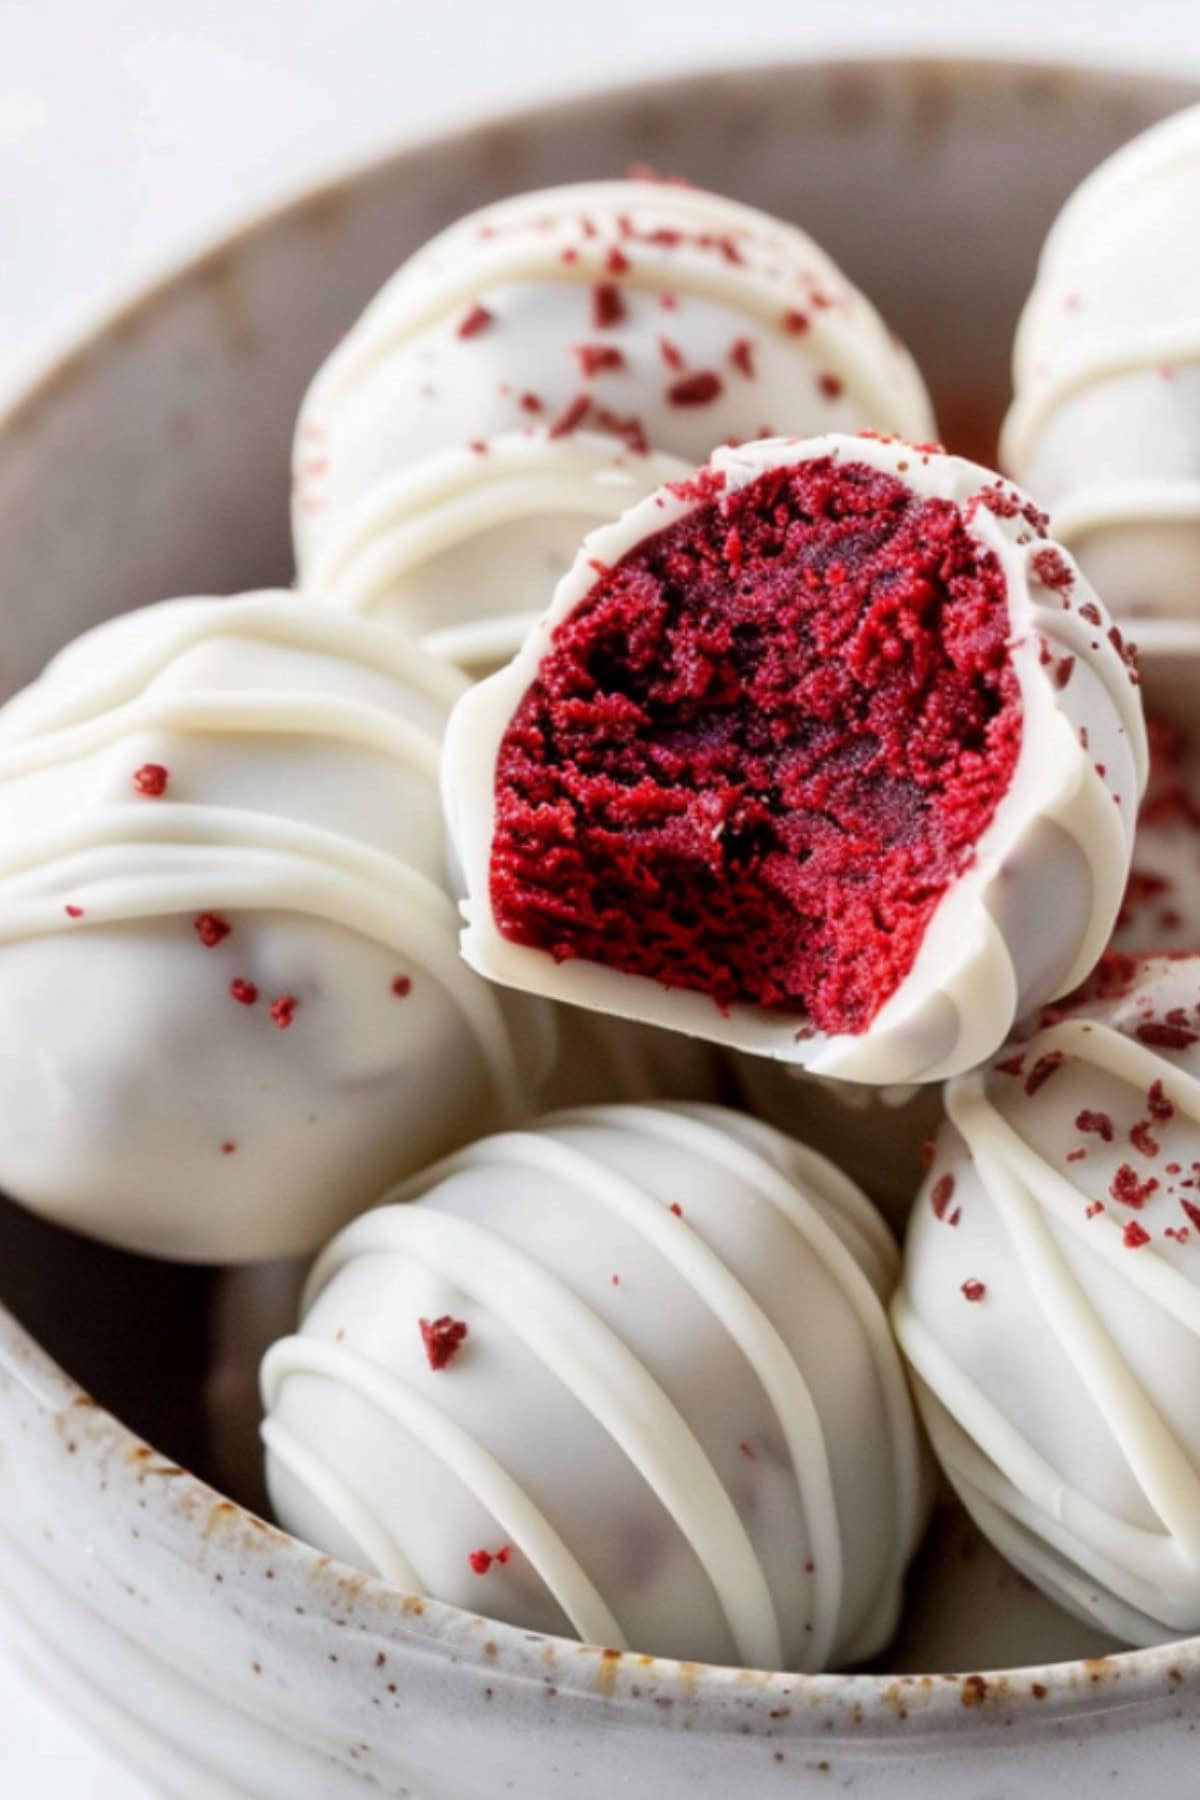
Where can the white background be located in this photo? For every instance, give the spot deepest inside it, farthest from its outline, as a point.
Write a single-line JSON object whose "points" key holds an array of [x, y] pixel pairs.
{"points": [[130, 130]]}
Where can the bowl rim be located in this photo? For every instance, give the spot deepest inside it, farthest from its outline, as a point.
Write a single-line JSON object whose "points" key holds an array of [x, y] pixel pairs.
{"points": [[923, 1706]]}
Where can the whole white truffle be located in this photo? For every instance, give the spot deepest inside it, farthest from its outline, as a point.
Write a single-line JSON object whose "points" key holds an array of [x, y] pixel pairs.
{"points": [[1050, 1306], [1105, 422], [625, 1376], [231, 1005]]}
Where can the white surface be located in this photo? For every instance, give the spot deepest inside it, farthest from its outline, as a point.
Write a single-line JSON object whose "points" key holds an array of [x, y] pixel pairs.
{"points": [[131, 130]]}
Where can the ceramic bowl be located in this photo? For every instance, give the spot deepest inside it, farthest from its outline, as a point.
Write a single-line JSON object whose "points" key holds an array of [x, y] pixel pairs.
{"points": [[219, 1655]]}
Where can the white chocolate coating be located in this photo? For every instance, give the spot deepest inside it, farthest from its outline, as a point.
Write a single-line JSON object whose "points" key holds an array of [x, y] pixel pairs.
{"points": [[1105, 424], [301, 809], [1024, 922], [876, 1135], [463, 550], [1061, 1400], [722, 324], [678, 1408], [1161, 909]]}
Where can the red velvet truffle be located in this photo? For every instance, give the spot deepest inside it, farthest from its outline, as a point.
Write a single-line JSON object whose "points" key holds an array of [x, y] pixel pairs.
{"points": [[764, 745]]}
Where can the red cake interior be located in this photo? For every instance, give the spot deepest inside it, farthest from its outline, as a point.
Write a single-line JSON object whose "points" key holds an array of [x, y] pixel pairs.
{"points": [[763, 746]]}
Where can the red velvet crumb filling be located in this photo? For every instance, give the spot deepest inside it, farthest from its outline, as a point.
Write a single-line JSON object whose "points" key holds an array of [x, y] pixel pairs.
{"points": [[763, 746]]}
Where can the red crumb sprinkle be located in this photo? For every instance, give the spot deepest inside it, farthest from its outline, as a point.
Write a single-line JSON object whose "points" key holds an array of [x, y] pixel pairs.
{"points": [[73, 912], [598, 359], [1191, 1212], [832, 386], [794, 322], [1043, 1069], [402, 986], [151, 781], [670, 352], [211, 929], [747, 1451], [1164, 1035], [1179, 1234], [608, 305], [941, 1194], [1012, 1065], [282, 1010], [616, 1281], [530, 403], [677, 1209], [1097, 1122], [443, 1339], [244, 992], [741, 355], [1054, 572], [475, 321], [700, 389], [973, 1290], [1126, 1187], [479, 447], [1158, 1105], [571, 417], [1094, 1210], [228, 1147], [758, 782], [481, 1561], [1079, 1154], [1141, 1139], [1134, 1235], [1064, 668]]}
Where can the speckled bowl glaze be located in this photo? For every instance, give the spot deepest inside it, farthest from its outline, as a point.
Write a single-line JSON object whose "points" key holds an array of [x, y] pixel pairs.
{"points": [[220, 1656]]}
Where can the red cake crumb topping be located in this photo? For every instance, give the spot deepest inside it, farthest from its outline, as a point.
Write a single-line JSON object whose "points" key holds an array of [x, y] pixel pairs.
{"points": [[282, 1010], [1043, 1069], [402, 986], [244, 992], [1134, 1235], [700, 389], [151, 781], [475, 321], [443, 1339], [941, 1194], [211, 929], [1098, 1122], [597, 359], [764, 746], [741, 355], [73, 912], [974, 1290], [608, 305], [1126, 1187]]}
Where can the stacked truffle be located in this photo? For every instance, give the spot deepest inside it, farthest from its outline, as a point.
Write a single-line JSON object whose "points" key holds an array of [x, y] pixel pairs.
{"points": [[814, 752]]}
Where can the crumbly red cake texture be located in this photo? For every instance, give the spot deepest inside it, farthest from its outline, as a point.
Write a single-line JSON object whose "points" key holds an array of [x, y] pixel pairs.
{"points": [[763, 746]]}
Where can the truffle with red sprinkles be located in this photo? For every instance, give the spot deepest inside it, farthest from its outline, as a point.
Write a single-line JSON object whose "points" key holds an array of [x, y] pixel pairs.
{"points": [[536, 332], [1062, 1406], [210, 961], [784, 766], [678, 1424], [1104, 425]]}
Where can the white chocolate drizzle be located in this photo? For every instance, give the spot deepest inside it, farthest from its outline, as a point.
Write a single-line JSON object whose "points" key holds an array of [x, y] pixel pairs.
{"points": [[588, 1358]]}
